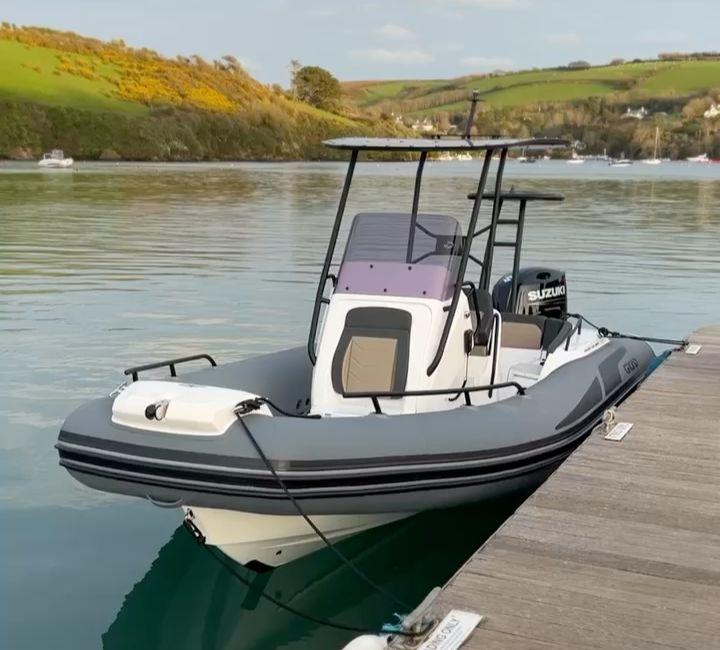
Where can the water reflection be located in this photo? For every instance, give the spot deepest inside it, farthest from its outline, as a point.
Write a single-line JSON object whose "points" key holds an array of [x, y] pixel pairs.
{"points": [[116, 265], [189, 600]]}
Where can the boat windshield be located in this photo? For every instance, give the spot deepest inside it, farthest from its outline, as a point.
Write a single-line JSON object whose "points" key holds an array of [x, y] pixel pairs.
{"points": [[387, 255]]}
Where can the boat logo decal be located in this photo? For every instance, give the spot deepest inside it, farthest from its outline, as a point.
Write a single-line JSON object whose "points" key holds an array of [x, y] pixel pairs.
{"points": [[631, 366], [552, 292]]}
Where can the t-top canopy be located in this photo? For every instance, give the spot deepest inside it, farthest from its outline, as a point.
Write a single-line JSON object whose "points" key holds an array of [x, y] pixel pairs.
{"points": [[521, 195], [440, 144]]}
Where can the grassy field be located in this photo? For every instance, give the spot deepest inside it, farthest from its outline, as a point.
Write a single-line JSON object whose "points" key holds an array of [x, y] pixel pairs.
{"points": [[29, 73], [652, 79]]}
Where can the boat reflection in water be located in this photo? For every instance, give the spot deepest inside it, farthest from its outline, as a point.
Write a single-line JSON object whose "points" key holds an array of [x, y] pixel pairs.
{"points": [[189, 599]]}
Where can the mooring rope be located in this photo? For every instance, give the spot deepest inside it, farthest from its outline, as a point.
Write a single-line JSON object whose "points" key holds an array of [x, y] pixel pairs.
{"points": [[605, 332], [219, 557], [250, 405]]}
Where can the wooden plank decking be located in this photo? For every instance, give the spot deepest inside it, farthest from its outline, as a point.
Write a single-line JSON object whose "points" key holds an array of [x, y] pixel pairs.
{"points": [[620, 548]]}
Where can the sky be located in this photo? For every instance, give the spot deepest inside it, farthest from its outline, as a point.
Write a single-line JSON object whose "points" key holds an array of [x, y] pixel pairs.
{"points": [[388, 39]]}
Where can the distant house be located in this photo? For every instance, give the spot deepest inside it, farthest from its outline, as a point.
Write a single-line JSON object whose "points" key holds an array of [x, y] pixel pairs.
{"points": [[638, 114], [712, 112], [422, 125]]}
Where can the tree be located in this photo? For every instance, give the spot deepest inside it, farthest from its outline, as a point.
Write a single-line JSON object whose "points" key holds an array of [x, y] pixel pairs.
{"points": [[232, 64], [295, 67], [317, 87]]}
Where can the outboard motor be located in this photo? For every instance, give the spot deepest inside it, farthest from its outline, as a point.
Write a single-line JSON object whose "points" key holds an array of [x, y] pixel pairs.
{"points": [[539, 291]]}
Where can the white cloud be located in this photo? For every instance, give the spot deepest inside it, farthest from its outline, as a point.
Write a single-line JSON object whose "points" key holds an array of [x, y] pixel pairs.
{"points": [[400, 57], [486, 62], [563, 38], [654, 38], [395, 32]]}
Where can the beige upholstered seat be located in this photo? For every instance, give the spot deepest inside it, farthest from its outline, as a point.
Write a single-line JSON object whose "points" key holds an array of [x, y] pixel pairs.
{"points": [[369, 364], [522, 335]]}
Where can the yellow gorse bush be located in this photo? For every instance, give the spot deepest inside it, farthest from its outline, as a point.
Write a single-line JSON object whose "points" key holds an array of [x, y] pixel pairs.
{"points": [[145, 76]]}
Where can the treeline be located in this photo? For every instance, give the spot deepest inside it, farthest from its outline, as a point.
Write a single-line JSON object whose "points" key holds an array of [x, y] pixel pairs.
{"points": [[600, 126], [688, 56], [171, 133]]}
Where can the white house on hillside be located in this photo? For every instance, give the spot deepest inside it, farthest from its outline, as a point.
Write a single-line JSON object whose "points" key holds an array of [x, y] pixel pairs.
{"points": [[712, 112], [423, 125], [639, 114]]}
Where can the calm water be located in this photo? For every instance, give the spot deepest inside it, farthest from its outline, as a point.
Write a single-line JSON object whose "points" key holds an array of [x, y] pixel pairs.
{"points": [[110, 266]]}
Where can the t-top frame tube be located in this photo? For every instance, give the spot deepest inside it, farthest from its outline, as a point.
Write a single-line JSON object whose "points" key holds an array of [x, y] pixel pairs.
{"points": [[329, 256], [468, 245], [415, 207]]}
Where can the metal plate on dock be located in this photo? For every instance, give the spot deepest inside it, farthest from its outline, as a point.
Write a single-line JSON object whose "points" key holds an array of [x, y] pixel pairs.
{"points": [[619, 431], [452, 631]]}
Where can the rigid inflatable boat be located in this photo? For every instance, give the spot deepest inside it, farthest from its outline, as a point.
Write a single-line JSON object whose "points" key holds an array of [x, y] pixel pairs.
{"points": [[419, 388]]}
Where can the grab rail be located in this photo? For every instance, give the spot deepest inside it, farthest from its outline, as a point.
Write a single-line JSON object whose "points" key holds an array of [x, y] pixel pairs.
{"points": [[465, 390], [171, 363], [576, 328]]}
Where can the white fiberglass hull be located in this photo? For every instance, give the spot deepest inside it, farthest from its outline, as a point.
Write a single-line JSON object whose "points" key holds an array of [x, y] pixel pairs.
{"points": [[56, 164], [274, 540]]}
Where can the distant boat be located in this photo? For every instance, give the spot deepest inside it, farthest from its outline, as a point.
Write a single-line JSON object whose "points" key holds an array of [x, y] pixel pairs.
{"points": [[702, 158], [522, 158], [620, 162], [450, 157], [55, 160], [575, 159], [654, 160]]}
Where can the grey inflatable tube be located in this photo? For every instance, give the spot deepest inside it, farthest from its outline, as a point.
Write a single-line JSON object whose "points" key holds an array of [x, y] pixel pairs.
{"points": [[378, 463]]}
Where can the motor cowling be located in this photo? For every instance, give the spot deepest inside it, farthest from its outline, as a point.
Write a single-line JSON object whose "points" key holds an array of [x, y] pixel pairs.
{"points": [[539, 291]]}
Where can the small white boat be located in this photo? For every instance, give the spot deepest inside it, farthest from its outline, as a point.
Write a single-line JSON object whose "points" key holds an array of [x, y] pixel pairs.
{"points": [[449, 157], [620, 162], [523, 157], [702, 158], [55, 159], [575, 159]]}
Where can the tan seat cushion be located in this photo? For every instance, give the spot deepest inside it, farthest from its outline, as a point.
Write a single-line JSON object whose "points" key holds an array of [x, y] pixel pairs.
{"points": [[521, 335], [369, 364]]}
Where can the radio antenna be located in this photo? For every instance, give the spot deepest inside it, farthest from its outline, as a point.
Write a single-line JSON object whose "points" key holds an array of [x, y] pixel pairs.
{"points": [[474, 99]]}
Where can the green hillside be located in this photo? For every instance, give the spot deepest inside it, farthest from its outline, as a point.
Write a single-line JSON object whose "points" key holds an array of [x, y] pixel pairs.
{"points": [[28, 74], [621, 82], [587, 105], [104, 99]]}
